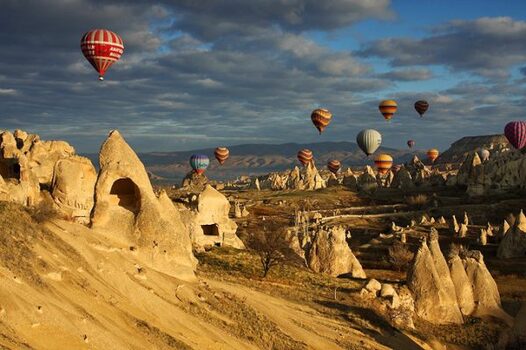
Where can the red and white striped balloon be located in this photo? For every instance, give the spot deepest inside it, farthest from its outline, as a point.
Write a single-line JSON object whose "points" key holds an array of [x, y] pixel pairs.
{"points": [[102, 48]]}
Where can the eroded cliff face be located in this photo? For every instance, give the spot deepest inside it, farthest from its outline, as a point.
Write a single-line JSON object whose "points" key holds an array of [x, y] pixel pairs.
{"points": [[469, 144]]}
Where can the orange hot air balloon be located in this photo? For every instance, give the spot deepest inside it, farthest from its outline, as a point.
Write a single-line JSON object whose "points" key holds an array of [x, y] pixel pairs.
{"points": [[321, 118], [102, 48], [432, 154], [383, 163], [221, 154], [388, 108], [305, 156], [333, 166]]}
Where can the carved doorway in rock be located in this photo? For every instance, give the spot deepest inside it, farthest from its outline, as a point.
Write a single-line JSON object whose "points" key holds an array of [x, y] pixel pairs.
{"points": [[210, 230], [125, 193]]}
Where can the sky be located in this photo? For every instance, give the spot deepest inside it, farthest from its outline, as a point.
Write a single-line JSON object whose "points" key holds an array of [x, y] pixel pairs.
{"points": [[199, 74]]}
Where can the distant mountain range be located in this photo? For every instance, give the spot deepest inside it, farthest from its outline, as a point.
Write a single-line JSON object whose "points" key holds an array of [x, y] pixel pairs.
{"points": [[259, 159]]}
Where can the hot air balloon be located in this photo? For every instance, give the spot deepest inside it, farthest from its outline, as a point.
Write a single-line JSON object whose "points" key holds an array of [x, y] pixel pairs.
{"points": [[102, 48], [432, 154], [484, 154], [516, 133], [383, 163], [411, 143], [333, 166], [199, 162], [421, 107], [369, 140], [388, 108], [321, 118], [221, 154], [305, 156]]}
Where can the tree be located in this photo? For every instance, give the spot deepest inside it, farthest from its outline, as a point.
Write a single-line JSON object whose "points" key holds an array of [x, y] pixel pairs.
{"points": [[399, 256], [271, 247]]}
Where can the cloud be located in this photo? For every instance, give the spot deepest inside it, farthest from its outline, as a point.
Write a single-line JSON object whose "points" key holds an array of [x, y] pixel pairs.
{"points": [[414, 74], [241, 71], [212, 19], [485, 46], [8, 92]]}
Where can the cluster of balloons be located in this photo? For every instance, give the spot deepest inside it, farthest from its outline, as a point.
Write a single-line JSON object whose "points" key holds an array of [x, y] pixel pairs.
{"points": [[102, 48], [369, 140], [200, 162]]}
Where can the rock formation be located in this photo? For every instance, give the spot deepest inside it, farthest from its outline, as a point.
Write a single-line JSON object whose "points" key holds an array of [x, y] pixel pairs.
{"points": [[460, 149], [73, 186], [208, 221], [485, 292], [194, 182], [513, 243], [432, 300], [441, 264], [402, 179], [127, 210], [367, 180], [328, 252], [462, 283]]}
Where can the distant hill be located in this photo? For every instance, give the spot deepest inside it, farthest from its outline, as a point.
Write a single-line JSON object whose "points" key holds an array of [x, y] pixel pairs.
{"points": [[461, 148], [258, 159]]}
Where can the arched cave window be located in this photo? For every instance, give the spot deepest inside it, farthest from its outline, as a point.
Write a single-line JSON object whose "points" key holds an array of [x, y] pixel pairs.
{"points": [[127, 194], [10, 169]]}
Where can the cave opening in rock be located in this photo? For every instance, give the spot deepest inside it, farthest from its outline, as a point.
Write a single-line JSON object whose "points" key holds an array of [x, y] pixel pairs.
{"points": [[210, 230], [10, 169], [125, 193]]}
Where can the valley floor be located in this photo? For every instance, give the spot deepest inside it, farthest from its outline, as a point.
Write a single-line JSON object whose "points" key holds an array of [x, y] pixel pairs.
{"points": [[63, 286]]}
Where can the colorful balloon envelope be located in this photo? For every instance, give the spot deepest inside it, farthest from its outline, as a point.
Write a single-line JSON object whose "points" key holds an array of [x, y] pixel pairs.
{"points": [[411, 143], [421, 107], [432, 154], [199, 162], [221, 154], [388, 108], [102, 48], [321, 118], [516, 133], [334, 166], [369, 140], [383, 163], [305, 156]]}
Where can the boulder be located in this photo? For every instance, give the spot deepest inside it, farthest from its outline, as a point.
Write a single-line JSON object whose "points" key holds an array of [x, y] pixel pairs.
{"points": [[387, 290], [373, 286]]}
